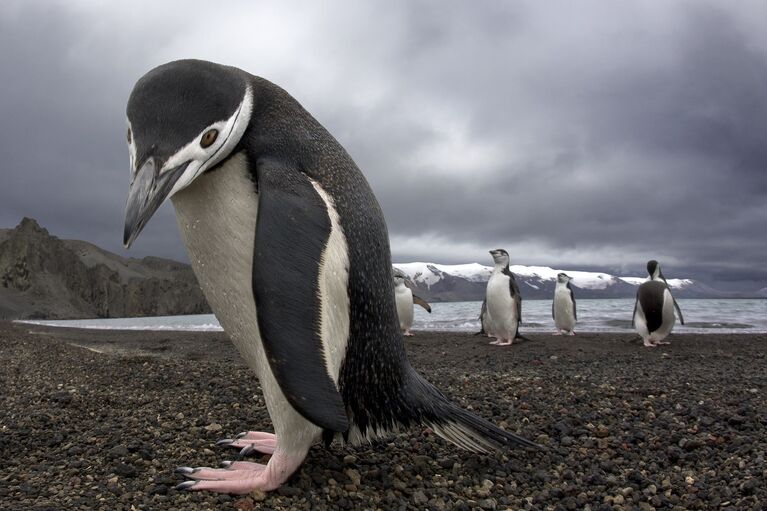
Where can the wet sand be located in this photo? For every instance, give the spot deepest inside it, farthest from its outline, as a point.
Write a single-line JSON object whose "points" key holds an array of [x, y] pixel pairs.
{"points": [[99, 420]]}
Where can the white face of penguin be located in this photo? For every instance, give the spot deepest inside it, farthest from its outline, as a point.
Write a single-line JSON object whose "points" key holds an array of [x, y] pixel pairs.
{"points": [[151, 186], [211, 146], [500, 256]]}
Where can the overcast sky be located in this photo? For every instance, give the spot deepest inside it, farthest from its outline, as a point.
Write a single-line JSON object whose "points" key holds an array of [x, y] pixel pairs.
{"points": [[573, 134]]}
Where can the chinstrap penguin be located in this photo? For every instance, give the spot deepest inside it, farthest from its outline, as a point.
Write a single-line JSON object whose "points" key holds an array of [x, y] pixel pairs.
{"points": [[504, 302], [291, 250], [405, 300], [563, 306], [654, 308]]}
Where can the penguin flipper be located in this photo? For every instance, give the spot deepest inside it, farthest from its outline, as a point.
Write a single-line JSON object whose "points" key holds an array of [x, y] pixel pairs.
{"points": [[292, 229], [514, 290], [634, 314], [423, 303], [678, 311], [572, 297]]}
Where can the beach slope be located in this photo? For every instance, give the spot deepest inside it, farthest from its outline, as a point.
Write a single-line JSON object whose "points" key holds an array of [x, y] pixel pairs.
{"points": [[99, 420]]}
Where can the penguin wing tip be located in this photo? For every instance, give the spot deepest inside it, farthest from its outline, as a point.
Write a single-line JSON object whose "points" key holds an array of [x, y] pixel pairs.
{"points": [[338, 424]]}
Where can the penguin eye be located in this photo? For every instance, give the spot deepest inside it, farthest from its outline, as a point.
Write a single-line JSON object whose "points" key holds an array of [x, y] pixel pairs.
{"points": [[209, 137], [129, 136]]}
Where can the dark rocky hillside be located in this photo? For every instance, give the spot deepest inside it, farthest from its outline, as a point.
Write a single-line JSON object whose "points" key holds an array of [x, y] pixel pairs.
{"points": [[42, 276]]}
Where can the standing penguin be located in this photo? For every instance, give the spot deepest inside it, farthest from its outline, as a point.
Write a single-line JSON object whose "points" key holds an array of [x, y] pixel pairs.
{"points": [[405, 300], [654, 308], [504, 302], [291, 250], [563, 306]]}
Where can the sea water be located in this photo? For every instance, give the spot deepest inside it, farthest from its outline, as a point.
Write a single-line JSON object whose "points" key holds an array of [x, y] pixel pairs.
{"points": [[596, 315]]}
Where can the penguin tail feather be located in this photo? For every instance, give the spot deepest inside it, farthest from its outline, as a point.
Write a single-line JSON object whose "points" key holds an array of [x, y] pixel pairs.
{"points": [[475, 434], [522, 337], [458, 426]]}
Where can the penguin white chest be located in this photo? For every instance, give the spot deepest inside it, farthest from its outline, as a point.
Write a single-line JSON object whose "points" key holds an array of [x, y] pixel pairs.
{"points": [[501, 306], [564, 318], [217, 215], [404, 297]]}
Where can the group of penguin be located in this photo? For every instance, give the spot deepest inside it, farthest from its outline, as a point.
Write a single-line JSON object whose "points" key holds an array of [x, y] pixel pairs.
{"points": [[501, 312]]}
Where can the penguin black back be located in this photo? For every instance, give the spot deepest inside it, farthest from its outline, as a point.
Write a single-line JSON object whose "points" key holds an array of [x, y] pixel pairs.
{"points": [[379, 387], [375, 349], [650, 296]]}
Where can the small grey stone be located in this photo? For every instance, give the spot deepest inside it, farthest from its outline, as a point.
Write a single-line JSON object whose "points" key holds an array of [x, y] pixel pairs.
{"points": [[420, 498]]}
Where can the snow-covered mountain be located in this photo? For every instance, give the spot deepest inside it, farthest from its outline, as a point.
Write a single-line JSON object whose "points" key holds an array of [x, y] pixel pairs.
{"points": [[444, 282]]}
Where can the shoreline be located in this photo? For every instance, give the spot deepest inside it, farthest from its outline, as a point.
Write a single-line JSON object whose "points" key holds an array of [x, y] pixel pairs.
{"points": [[100, 418], [535, 330]]}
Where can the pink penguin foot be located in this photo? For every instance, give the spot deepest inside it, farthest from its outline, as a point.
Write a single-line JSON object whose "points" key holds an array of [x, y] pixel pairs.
{"points": [[496, 342], [241, 477], [506, 342], [558, 332], [408, 333], [251, 442], [572, 332]]}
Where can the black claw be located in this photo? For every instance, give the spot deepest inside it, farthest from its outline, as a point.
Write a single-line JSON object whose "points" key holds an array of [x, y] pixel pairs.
{"points": [[225, 441], [240, 435], [226, 464], [186, 470], [248, 450], [186, 485]]}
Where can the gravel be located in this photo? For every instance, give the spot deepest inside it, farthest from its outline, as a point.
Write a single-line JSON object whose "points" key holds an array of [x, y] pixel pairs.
{"points": [[99, 420]]}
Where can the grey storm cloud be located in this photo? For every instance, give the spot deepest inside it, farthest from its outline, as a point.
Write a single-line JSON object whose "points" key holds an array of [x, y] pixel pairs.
{"points": [[578, 135]]}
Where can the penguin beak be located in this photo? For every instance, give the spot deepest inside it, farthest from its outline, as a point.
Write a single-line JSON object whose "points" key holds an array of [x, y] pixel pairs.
{"points": [[147, 192]]}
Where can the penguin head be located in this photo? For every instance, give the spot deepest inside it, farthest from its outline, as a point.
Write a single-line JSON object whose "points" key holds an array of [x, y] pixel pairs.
{"points": [[500, 256], [400, 277], [184, 118], [653, 268], [563, 278]]}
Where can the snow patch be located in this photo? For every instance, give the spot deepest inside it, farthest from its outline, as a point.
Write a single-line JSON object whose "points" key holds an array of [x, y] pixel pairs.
{"points": [[673, 283], [428, 274]]}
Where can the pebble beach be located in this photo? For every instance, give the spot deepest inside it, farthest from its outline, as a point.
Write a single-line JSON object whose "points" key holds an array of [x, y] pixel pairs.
{"points": [[95, 419]]}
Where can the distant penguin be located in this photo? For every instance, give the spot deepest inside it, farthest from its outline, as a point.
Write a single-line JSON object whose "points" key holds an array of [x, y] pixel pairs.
{"points": [[563, 306], [654, 308], [405, 300], [504, 302], [290, 247]]}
